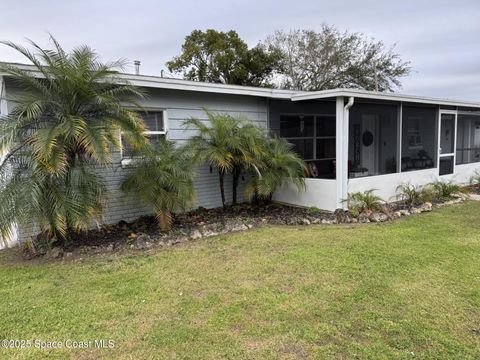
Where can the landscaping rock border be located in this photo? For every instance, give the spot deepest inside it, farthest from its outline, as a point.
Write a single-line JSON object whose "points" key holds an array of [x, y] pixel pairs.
{"points": [[202, 223]]}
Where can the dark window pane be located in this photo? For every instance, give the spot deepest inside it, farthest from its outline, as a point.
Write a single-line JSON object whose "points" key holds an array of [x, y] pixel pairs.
{"points": [[325, 148], [326, 126], [468, 139], [153, 120], [446, 165], [296, 126], [447, 132], [418, 138], [303, 147]]}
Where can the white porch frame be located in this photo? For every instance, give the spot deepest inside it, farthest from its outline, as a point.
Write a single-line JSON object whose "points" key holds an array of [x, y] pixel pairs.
{"points": [[439, 152]]}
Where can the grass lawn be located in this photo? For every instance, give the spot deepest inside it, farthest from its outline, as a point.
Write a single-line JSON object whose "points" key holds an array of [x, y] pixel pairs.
{"points": [[408, 289]]}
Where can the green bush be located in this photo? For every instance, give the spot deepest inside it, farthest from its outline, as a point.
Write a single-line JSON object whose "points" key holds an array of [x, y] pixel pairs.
{"points": [[313, 211], [444, 190], [414, 194], [163, 178], [359, 202], [475, 179]]}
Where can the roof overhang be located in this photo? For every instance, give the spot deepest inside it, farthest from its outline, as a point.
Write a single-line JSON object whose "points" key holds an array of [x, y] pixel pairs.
{"points": [[158, 82], [373, 95]]}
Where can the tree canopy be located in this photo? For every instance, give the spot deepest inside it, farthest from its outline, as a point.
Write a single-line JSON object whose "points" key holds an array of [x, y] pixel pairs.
{"points": [[223, 57], [332, 59]]}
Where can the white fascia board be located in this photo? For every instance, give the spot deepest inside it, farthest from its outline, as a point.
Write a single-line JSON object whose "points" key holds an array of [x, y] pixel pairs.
{"points": [[381, 96], [187, 85]]}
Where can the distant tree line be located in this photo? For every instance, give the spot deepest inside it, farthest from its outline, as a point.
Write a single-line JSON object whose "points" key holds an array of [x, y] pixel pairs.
{"points": [[297, 59]]}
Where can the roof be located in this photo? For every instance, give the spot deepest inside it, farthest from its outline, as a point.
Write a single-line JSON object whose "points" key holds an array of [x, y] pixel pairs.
{"points": [[364, 94], [149, 81]]}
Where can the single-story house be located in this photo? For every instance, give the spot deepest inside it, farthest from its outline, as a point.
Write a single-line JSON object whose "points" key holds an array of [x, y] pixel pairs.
{"points": [[352, 140]]}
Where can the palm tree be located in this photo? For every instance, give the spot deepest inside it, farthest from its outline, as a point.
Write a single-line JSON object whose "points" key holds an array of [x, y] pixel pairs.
{"points": [[217, 144], [246, 156], [278, 165], [162, 178], [66, 121]]}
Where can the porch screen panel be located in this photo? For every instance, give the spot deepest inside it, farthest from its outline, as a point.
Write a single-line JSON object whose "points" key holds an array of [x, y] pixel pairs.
{"points": [[373, 134], [468, 139], [299, 131], [419, 138]]}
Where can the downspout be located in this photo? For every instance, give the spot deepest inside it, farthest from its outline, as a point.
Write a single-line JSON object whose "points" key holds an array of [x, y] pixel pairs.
{"points": [[346, 121], [347, 107]]}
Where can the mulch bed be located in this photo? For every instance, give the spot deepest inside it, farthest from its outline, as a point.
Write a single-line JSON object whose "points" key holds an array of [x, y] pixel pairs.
{"points": [[144, 232]]}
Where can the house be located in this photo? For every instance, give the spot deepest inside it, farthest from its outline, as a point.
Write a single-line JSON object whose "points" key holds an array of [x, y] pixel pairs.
{"points": [[352, 140]]}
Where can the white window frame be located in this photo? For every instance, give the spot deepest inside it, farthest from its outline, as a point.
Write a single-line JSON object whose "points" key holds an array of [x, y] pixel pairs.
{"points": [[127, 160]]}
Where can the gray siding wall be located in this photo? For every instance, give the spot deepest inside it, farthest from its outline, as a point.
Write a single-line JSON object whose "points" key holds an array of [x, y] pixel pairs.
{"points": [[179, 106]]}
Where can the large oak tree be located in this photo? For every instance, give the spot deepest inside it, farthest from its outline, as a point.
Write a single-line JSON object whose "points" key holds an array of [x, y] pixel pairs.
{"points": [[223, 57]]}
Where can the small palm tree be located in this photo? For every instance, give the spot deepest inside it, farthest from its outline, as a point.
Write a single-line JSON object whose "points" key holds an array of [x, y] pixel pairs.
{"points": [[66, 121], [163, 178], [414, 195], [217, 144], [367, 201], [277, 165], [253, 146]]}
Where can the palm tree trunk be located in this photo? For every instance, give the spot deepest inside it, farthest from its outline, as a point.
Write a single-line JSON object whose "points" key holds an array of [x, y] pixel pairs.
{"points": [[222, 187], [236, 177], [164, 219]]}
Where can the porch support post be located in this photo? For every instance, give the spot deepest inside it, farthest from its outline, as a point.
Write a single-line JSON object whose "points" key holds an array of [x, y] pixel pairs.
{"points": [[341, 153]]}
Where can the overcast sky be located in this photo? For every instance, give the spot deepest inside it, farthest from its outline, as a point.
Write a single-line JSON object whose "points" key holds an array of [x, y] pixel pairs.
{"points": [[440, 38]]}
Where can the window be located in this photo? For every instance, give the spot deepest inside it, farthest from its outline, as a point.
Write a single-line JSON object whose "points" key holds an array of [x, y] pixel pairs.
{"points": [[313, 138], [418, 137], [468, 138], [156, 130], [373, 139]]}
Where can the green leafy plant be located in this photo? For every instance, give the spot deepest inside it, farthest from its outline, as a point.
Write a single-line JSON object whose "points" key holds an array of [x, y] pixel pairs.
{"points": [[65, 121], [277, 165], [313, 211], [414, 194], [367, 201], [445, 190], [163, 177], [475, 178]]}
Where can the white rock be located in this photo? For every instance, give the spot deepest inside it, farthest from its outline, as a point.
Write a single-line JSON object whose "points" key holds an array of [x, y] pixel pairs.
{"points": [[195, 234]]}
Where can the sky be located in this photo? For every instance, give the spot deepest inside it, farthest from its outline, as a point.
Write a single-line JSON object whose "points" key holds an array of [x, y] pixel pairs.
{"points": [[439, 38]]}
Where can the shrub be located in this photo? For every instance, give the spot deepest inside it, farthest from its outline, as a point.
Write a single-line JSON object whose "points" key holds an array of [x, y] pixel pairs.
{"points": [[444, 190], [475, 179], [414, 194], [313, 211], [359, 202], [277, 165], [163, 178]]}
